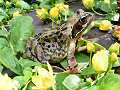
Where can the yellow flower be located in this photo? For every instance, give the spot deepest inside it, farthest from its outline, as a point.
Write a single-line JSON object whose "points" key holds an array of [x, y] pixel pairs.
{"points": [[89, 4], [66, 7], [90, 47], [62, 7], [100, 61], [44, 80], [105, 25], [115, 48], [54, 12], [42, 13], [17, 13], [113, 57], [6, 83]]}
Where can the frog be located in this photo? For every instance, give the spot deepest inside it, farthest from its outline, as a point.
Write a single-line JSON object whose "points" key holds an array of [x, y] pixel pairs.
{"points": [[54, 45]]}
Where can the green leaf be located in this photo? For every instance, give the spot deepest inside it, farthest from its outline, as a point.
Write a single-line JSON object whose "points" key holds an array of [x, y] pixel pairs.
{"points": [[108, 6], [24, 5], [10, 61], [21, 30], [20, 79], [117, 63], [93, 88], [114, 5], [29, 86], [1, 1], [3, 14], [59, 79], [98, 46], [28, 63], [27, 74], [72, 82], [1, 17], [24, 80], [45, 4], [113, 16], [80, 57], [109, 82], [3, 42], [88, 71], [1, 68], [49, 3], [4, 32]]}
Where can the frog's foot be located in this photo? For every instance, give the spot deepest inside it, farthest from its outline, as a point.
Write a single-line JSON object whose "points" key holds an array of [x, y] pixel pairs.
{"points": [[73, 69], [73, 66]]}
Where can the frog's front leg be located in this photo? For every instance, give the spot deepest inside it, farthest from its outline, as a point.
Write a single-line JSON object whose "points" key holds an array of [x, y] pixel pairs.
{"points": [[71, 57]]}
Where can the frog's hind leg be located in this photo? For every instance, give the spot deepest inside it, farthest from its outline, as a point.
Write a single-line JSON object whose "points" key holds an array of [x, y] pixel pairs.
{"points": [[71, 58]]}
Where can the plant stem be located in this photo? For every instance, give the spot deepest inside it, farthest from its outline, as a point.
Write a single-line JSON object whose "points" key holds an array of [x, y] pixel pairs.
{"points": [[65, 16], [90, 58], [52, 24], [12, 47], [88, 28], [110, 66], [97, 12]]}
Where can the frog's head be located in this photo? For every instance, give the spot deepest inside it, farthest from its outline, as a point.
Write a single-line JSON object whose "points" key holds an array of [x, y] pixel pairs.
{"points": [[82, 19]]}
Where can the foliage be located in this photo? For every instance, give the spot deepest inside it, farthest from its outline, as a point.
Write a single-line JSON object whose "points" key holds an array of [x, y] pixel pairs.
{"points": [[107, 8], [49, 3], [95, 62], [56, 12], [110, 79], [21, 30]]}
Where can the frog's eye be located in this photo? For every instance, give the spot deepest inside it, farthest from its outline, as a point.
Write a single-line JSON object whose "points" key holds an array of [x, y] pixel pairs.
{"points": [[82, 19]]}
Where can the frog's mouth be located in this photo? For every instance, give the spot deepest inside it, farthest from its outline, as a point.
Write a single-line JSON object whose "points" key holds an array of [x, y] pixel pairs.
{"points": [[82, 24]]}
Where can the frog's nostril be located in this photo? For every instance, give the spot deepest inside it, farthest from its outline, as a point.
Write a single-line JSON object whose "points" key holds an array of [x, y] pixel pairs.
{"points": [[78, 12]]}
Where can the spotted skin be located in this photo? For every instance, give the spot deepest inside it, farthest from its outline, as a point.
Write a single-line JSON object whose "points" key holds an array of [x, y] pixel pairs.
{"points": [[55, 45]]}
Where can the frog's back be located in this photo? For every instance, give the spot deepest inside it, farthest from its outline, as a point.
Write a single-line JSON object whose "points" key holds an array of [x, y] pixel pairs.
{"points": [[50, 46]]}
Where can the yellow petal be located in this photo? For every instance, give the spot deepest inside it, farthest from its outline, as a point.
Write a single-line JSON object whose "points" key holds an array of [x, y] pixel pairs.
{"points": [[54, 12], [17, 13], [115, 48], [42, 13], [37, 81], [105, 25], [6, 83], [50, 68], [113, 57], [89, 4], [100, 61], [90, 47], [43, 72], [44, 79]]}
